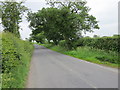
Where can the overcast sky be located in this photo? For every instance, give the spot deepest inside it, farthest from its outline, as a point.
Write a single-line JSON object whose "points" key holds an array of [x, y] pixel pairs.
{"points": [[106, 12]]}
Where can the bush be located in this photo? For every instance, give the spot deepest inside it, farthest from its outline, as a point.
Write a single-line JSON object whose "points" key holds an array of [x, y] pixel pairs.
{"points": [[16, 55], [71, 45], [62, 43], [104, 43], [107, 59]]}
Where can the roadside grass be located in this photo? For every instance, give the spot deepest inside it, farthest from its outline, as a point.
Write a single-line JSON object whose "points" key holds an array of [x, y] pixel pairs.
{"points": [[16, 56], [89, 54]]}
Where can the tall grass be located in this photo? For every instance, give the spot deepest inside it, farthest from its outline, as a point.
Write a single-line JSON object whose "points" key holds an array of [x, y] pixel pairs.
{"points": [[95, 55], [16, 56], [90, 54]]}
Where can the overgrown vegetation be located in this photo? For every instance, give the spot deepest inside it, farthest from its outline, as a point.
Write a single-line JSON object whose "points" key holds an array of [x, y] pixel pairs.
{"points": [[89, 54], [16, 56], [101, 50], [16, 53], [103, 43]]}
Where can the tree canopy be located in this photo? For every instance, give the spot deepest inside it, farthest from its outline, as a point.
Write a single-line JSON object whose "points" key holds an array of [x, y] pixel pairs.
{"points": [[12, 12], [63, 21]]}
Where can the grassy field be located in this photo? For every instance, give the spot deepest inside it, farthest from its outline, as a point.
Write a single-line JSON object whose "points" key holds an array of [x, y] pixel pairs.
{"points": [[89, 54]]}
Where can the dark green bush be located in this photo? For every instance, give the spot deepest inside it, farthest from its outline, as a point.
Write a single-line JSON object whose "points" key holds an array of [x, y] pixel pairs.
{"points": [[62, 43], [16, 55], [71, 45], [104, 43], [107, 59]]}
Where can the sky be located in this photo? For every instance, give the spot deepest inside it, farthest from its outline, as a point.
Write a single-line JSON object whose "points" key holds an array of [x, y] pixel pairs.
{"points": [[106, 12]]}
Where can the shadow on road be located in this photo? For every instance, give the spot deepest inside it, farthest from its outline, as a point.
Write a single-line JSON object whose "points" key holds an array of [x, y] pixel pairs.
{"points": [[39, 47]]}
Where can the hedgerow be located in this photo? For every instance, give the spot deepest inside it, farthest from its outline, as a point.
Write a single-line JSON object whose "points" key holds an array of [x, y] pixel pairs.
{"points": [[104, 43], [109, 44], [16, 55]]}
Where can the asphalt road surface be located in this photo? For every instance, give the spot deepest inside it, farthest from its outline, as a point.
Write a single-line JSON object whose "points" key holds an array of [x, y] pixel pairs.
{"points": [[50, 69]]}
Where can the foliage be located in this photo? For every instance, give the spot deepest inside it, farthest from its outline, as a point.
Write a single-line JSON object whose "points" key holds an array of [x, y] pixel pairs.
{"points": [[39, 38], [62, 43], [12, 12], [104, 43], [63, 22], [90, 54], [47, 19], [16, 55]]}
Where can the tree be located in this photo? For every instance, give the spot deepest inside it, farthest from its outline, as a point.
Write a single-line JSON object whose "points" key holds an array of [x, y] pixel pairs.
{"points": [[12, 12], [63, 21], [116, 35], [95, 36], [39, 38], [45, 21], [75, 18]]}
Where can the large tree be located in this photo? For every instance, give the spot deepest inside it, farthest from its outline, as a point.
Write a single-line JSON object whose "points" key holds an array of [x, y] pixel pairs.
{"points": [[12, 12], [63, 19], [45, 21], [76, 19]]}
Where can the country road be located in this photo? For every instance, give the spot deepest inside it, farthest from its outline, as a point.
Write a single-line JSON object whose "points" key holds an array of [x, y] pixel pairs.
{"points": [[50, 69]]}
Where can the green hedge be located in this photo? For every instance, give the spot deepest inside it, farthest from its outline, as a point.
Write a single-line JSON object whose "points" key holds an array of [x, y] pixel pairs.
{"points": [[104, 43], [16, 56], [62, 43]]}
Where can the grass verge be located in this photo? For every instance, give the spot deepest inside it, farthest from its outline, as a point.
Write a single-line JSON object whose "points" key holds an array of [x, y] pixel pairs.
{"points": [[16, 56], [89, 54]]}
